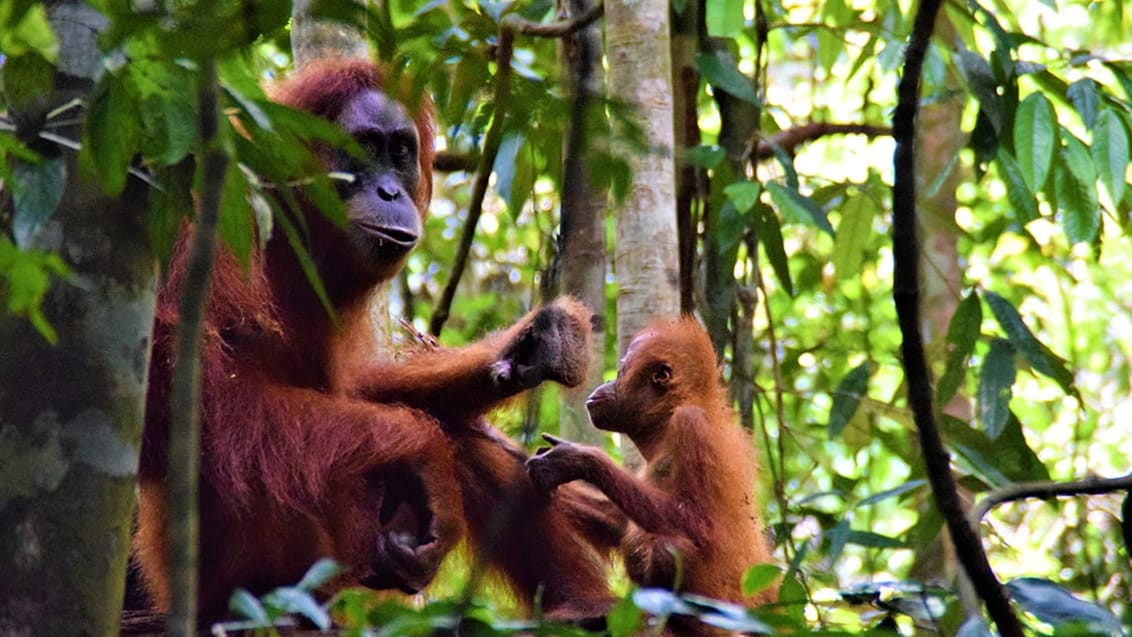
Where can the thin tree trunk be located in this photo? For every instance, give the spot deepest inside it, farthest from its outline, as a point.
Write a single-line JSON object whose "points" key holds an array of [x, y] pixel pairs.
{"points": [[71, 414], [582, 252], [640, 74]]}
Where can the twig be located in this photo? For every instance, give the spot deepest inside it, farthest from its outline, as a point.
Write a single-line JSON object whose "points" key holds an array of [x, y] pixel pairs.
{"points": [[791, 138], [906, 297], [184, 430], [1020, 491], [508, 27]]}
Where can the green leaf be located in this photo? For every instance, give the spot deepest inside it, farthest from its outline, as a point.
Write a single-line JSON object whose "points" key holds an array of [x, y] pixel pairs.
{"points": [[874, 540], [996, 378], [1040, 358], [37, 189], [319, 573], [1085, 95], [853, 236], [235, 222], [759, 577], [31, 33], [726, 77], [624, 619], [246, 605], [514, 175], [1077, 202], [996, 462], [1110, 153], [744, 194], [295, 600], [770, 236], [1035, 137], [798, 207], [112, 133], [1022, 199], [706, 157], [724, 18], [894, 492], [1056, 606], [847, 397], [962, 334]]}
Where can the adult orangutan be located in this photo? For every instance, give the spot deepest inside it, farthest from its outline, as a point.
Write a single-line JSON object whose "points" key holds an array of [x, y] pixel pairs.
{"points": [[311, 447], [695, 496]]}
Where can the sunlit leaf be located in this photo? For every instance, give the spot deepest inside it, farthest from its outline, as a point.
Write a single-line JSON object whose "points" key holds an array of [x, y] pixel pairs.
{"points": [[853, 233], [726, 77], [1035, 137], [996, 379], [847, 397], [724, 18], [1056, 606], [1025, 343], [770, 236], [1077, 202], [962, 334], [112, 133], [798, 207], [1022, 199], [1110, 153], [759, 577], [1085, 95], [744, 194]]}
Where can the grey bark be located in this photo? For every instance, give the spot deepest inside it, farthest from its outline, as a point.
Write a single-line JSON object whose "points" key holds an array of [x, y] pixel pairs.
{"points": [[71, 414]]}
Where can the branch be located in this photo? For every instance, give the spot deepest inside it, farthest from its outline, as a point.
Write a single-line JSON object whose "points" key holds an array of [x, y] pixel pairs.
{"points": [[184, 429], [1092, 485], [448, 162], [491, 143], [791, 138], [559, 29], [906, 297]]}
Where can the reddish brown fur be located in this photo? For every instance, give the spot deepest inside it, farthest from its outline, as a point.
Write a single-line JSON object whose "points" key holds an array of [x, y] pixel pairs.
{"points": [[696, 491], [305, 434]]}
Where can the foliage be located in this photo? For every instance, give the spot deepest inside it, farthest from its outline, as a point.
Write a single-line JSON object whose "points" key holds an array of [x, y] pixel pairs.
{"points": [[1037, 354]]}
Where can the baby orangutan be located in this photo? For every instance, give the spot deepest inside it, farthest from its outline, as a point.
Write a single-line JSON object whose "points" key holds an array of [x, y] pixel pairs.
{"points": [[696, 492]]}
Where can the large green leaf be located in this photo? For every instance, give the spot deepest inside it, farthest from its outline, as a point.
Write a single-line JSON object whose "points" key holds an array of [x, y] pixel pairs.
{"points": [[847, 397], [1077, 202], [798, 207], [770, 236], [1040, 357], [235, 223], [962, 334], [726, 76], [112, 133], [1110, 153], [1035, 137], [724, 18], [853, 235], [37, 189], [1022, 199], [996, 378], [1085, 95]]}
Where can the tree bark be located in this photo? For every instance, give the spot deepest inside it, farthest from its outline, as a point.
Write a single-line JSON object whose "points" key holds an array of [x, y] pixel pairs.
{"points": [[582, 254], [640, 74], [71, 414]]}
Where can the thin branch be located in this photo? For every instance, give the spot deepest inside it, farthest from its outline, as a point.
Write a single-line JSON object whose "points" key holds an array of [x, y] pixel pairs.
{"points": [[447, 162], [492, 141], [789, 139], [906, 297], [1045, 490], [184, 431], [559, 29]]}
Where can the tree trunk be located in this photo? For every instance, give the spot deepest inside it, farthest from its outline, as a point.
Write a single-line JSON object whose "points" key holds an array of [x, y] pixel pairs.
{"points": [[640, 74], [583, 212], [71, 414]]}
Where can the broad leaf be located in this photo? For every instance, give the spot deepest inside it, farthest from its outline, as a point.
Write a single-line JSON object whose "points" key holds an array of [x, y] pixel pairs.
{"points": [[1110, 153], [1025, 343], [1035, 137], [724, 18], [1085, 95], [996, 378], [112, 133], [1022, 199], [770, 236], [744, 194], [1056, 606], [962, 334], [1077, 202], [37, 189], [894, 492], [235, 222], [853, 233], [759, 577], [798, 207], [726, 76], [847, 397]]}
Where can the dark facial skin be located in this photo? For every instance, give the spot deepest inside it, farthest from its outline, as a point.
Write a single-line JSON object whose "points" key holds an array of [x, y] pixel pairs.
{"points": [[638, 400], [385, 223]]}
